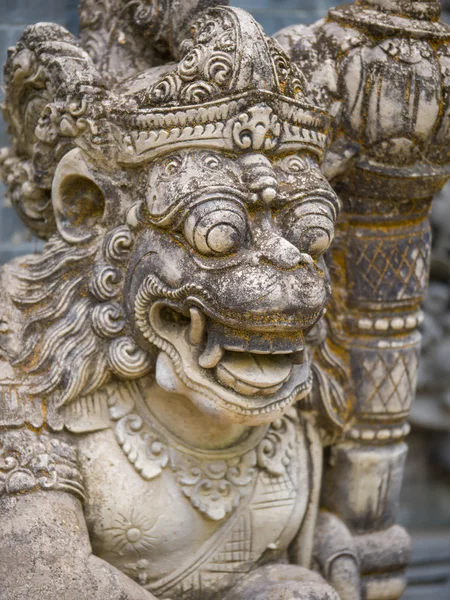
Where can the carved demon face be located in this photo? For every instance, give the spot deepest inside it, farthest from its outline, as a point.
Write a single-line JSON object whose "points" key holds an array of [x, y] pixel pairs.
{"points": [[227, 275]]}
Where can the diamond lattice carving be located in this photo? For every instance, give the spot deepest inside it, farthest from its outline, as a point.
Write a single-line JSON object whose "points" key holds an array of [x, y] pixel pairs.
{"points": [[394, 269], [389, 380]]}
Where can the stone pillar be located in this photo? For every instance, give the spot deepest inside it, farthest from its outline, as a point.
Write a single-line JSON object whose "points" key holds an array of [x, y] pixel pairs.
{"points": [[382, 69], [380, 274]]}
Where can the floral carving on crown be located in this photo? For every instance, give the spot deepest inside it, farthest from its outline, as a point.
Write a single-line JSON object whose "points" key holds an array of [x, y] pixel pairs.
{"points": [[257, 129]]}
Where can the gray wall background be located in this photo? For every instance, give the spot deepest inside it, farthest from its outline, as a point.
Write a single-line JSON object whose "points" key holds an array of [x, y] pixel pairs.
{"points": [[424, 497]]}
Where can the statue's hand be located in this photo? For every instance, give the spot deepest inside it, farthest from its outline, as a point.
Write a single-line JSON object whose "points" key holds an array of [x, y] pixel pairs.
{"points": [[361, 565], [383, 558], [282, 582], [335, 556], [46, 553]]}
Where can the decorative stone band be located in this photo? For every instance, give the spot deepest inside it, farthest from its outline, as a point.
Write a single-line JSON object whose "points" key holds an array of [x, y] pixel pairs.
{"points": [[385, 374], [30, 462], [388, 267], [379, 325], [378, 433], [416, 183], [255, 121], [407, 22]]}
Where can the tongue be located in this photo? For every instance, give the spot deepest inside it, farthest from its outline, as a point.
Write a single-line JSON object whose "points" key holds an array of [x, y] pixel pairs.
{"points": [[257, 370]]}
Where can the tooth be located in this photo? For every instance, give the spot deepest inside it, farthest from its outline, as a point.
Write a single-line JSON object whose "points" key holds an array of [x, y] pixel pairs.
{"points": [[259, 345], [197, 326], [287, 345], [212, 355], [235, 345]]}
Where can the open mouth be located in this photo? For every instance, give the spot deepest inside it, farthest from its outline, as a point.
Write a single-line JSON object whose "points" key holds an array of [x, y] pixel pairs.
{"points": [[257, 371], [250, 363], [242, 364]]}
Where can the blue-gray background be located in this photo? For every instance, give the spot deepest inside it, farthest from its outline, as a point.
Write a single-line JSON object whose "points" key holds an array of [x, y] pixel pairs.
{"points": [[426, 498]]}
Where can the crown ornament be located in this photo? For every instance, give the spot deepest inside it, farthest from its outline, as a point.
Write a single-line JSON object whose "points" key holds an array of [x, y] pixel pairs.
{"points": [[221, 96], [231, 89]]}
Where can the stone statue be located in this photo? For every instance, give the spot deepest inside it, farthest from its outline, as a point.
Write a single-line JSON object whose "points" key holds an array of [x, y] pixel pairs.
{"points": [[177, 420]]}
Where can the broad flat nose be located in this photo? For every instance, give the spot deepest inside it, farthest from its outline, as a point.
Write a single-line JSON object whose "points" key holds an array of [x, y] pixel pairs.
{"points": [[279, 252]]}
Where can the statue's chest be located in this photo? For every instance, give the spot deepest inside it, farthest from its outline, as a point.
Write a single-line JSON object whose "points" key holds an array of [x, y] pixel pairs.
{"points": [[180, 522]]}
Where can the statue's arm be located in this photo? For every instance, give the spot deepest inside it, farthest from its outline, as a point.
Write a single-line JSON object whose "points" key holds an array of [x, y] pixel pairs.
{"points": [[45, 550]]}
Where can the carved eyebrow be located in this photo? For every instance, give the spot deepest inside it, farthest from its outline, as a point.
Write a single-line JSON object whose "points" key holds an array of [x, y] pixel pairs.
{"points": [[308, 194], [178, 210]]}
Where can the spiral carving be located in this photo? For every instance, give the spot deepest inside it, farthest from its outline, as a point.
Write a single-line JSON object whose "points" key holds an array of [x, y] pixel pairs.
{"points": [[189, 66], [219, 67], [282, 65], [227, 41], [108, 320], [105, 283], [297, 88], [207, 30], [276, 450], [144, 14], [257, 129], [118, 244], [198, 92], [127, 360], [166, 88]]}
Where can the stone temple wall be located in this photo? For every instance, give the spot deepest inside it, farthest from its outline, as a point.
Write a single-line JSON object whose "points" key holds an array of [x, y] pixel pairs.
{"points": [[426, 498]]}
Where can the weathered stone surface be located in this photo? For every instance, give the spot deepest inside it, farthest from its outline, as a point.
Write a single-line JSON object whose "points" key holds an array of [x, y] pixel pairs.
{"points": [[168, 383]]}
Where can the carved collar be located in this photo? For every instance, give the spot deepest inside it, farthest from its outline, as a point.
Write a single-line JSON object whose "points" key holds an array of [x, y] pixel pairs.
{"points": [[214, 481]]}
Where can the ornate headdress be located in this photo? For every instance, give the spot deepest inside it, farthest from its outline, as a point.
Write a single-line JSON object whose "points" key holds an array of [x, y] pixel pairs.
{"points": [[233, 89]]}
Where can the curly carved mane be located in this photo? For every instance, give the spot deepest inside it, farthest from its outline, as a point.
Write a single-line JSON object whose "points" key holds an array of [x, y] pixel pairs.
{"points": [[74, 334]]}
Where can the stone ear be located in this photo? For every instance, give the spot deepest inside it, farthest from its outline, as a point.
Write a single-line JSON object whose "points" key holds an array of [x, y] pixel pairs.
{"points": [[78, 201]]}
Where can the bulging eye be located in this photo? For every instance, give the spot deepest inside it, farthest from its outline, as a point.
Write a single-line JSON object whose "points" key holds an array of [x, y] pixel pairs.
{"points": [[212, 161], [215, 227], [172, 165], [310, 227], [315, 241]]}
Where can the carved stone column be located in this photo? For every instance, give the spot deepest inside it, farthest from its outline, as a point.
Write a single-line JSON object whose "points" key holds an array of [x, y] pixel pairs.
{"points": [[382, 68], [380, 273]]}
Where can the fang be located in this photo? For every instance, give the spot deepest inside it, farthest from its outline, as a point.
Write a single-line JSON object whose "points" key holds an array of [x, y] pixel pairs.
{"points": [[197, 326], [211, 356]]}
